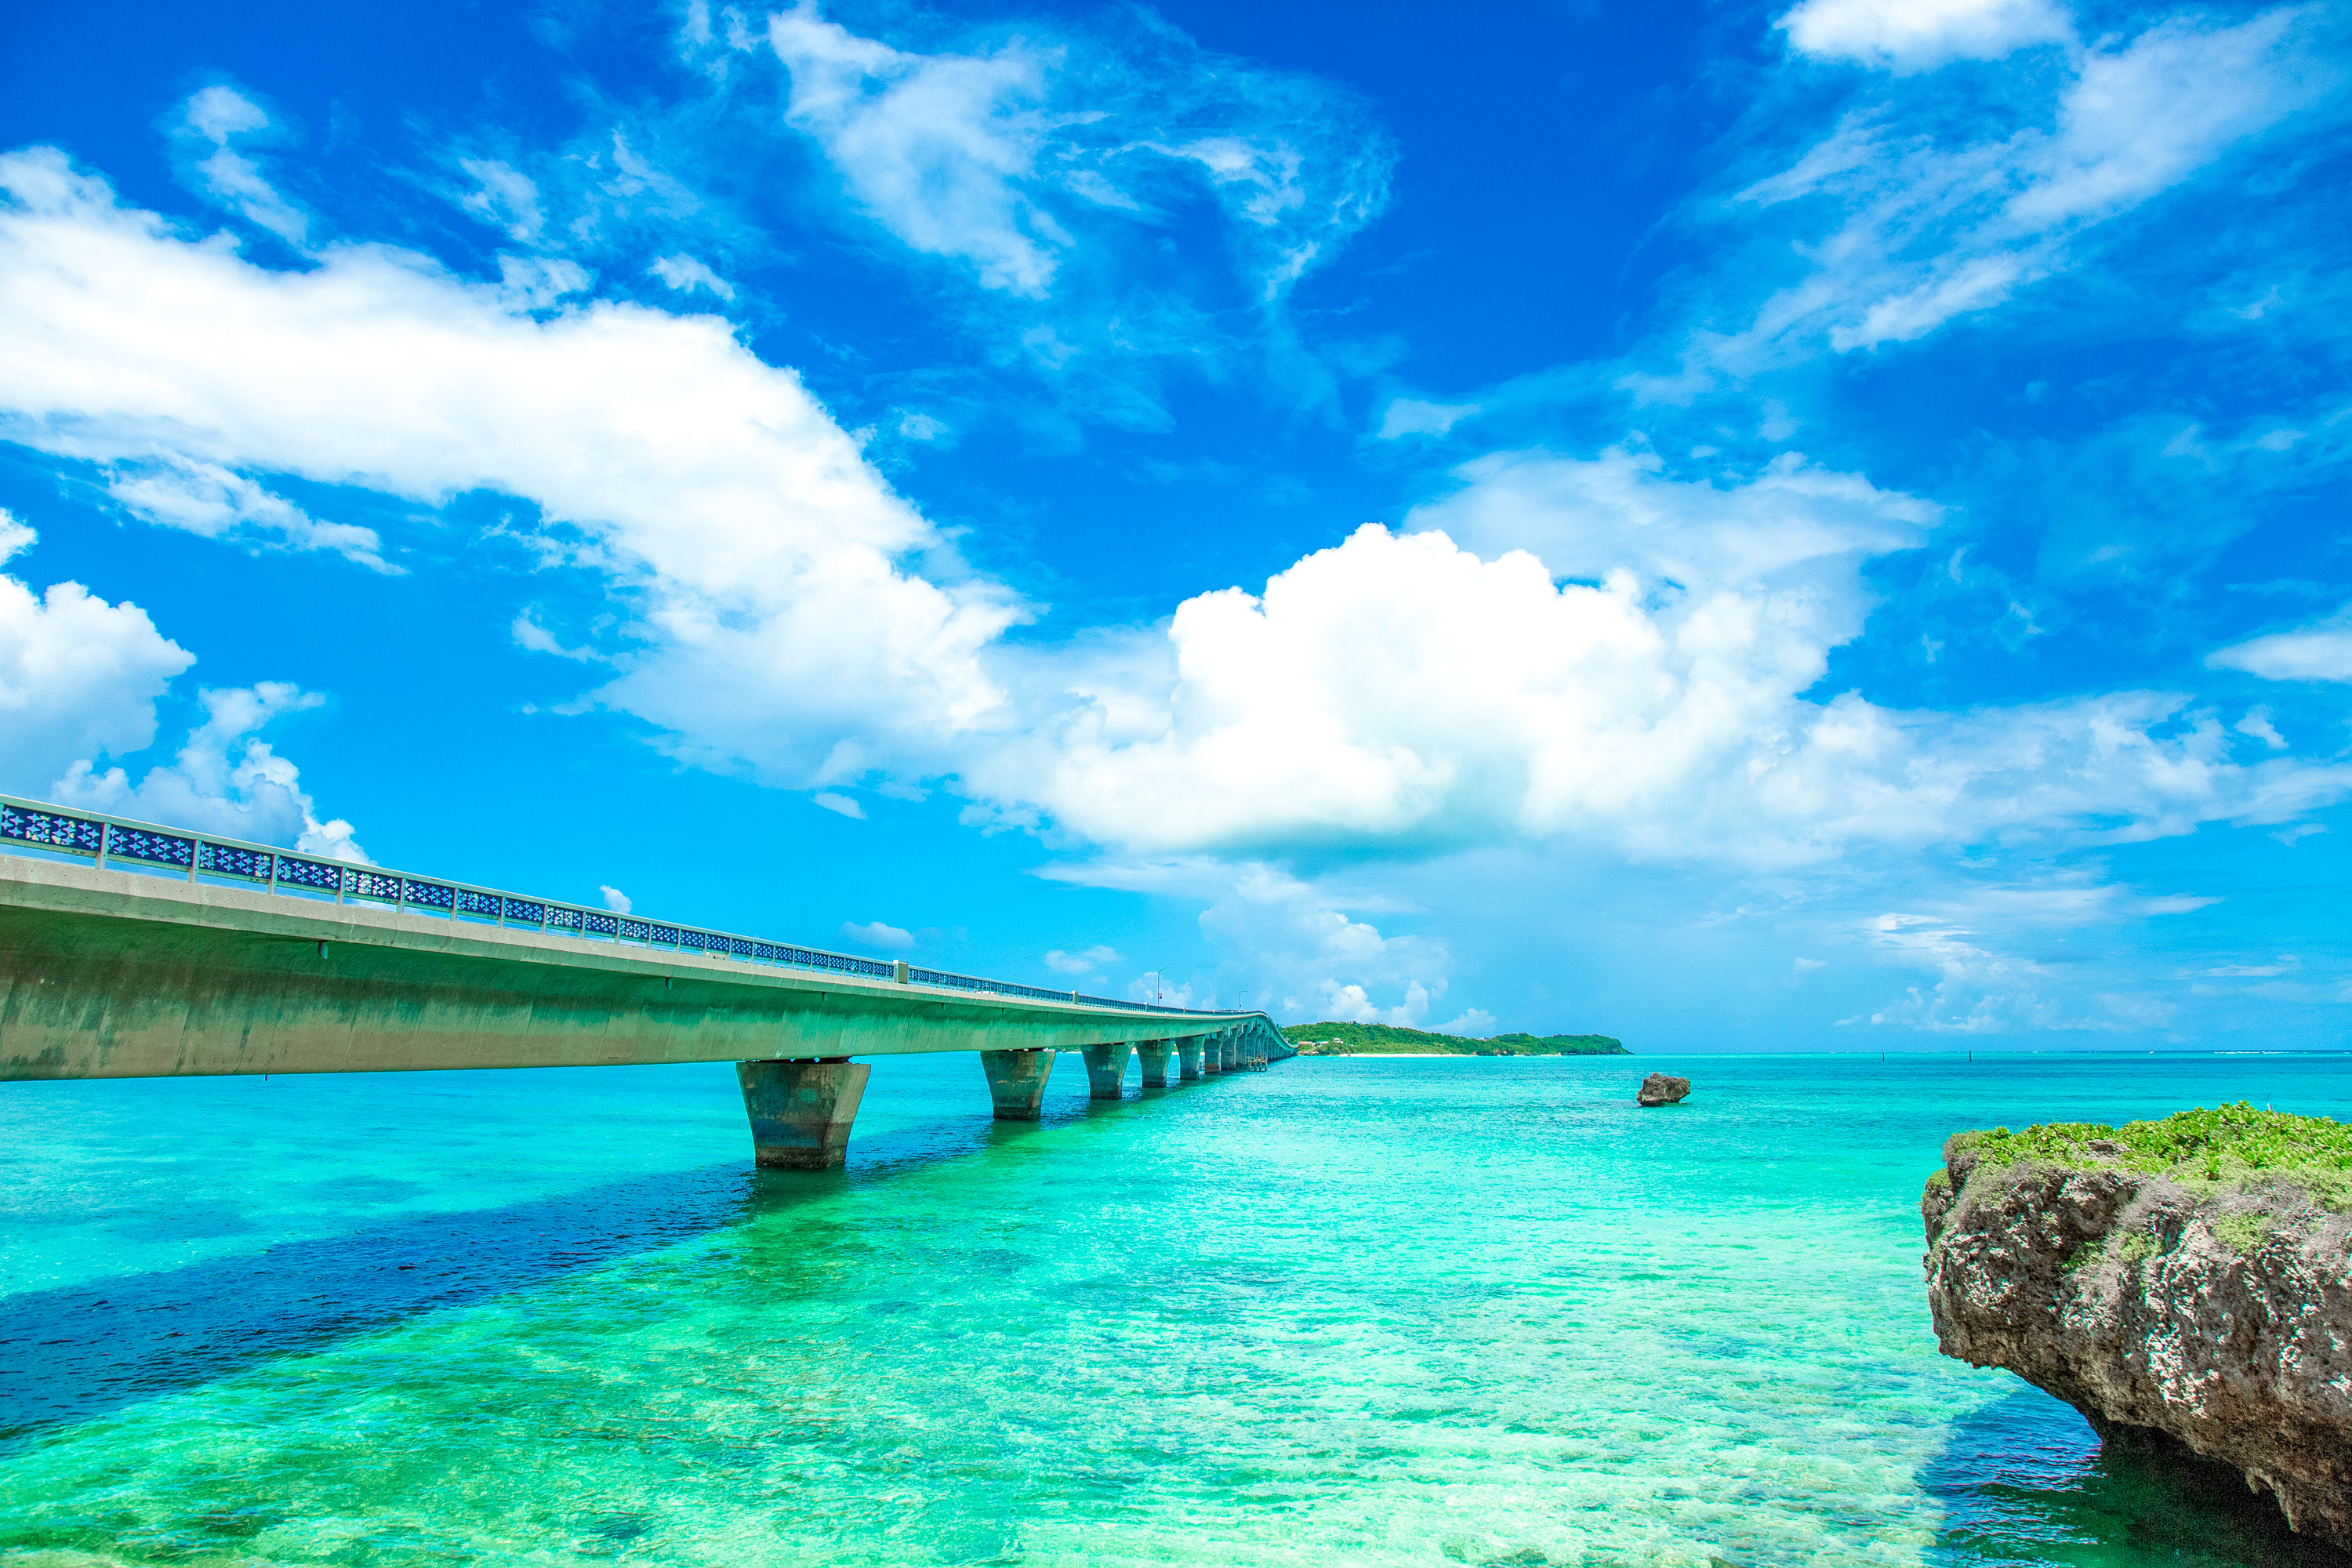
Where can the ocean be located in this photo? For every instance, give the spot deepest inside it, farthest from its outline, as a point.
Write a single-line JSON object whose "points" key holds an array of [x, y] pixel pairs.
{"points": [[1345, 1312]]}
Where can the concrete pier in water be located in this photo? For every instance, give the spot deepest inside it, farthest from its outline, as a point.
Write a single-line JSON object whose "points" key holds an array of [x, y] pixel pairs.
{"points": [[1016, 1082], [800, 1111], [1153, 1056], [1106, 1069]]}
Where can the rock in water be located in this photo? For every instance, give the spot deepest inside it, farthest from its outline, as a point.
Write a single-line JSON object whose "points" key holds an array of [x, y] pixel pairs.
{"points": [[1662, 1088], [2190, 1278]]}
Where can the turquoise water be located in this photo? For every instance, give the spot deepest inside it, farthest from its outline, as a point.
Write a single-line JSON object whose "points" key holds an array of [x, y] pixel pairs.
{"points": [[1475, 1311]]}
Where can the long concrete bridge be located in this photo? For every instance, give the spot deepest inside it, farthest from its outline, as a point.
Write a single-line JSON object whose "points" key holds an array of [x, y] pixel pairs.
{"points": [[129, 949]]}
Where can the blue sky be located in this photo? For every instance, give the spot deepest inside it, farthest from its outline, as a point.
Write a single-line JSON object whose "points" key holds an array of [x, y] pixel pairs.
{"points": [[1814, 527]]}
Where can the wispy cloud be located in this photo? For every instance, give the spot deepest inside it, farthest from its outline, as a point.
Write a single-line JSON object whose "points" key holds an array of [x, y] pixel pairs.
{"points": [[1945, 206], [2320, 651], [207, 499]]}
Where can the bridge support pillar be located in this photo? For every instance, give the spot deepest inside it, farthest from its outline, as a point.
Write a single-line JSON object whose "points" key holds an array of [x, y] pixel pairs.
{"points": [[1106, 1070], [1229, 1054], [801, 1110], [1188, 1059], [1153, 1055], [1016, 1082]]}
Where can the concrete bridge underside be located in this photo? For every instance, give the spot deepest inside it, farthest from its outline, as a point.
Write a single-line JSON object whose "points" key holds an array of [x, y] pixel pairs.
{"points": [[112, 973]]}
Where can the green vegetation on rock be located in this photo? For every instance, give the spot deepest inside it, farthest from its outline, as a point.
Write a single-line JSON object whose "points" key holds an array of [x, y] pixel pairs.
{"points": [[2196, 1145], [1332, 1039]]}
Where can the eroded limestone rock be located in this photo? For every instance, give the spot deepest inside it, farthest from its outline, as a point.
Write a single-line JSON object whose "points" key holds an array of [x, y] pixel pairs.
{"points": [[2208, 1304], [1662, 1088]]}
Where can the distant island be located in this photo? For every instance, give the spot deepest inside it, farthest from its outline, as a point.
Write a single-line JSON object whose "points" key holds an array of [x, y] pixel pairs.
{"points": [[1387, 1040]]}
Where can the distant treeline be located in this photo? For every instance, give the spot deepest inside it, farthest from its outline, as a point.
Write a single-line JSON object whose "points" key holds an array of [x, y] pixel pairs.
{"points": [[1387, 1040]]}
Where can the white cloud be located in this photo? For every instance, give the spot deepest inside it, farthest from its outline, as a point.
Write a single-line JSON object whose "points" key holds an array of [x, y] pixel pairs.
{"points": [[528, 633], [1414, 416], [78, 677], [216, 117], [685, 274], [1001, 158], [1286, 949], [209, 500], [1088, 963], [615, 899], [1934, 230], [505, 198], [1561, 649], [1981, 991], [840, 804], [1402, 693], [2321, 651], [877, 934], [1911, 34], [224, 779], [935, 147], [759, 552]]}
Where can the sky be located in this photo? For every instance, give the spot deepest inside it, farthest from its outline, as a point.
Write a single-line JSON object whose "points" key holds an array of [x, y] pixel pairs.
{"points": [[1801, 527]]}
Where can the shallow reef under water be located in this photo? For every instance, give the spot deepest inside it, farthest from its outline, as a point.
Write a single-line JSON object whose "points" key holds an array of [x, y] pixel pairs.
{"points": [[1346, 1312]]}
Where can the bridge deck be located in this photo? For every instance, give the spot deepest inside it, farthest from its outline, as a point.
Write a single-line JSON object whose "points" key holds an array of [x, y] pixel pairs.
{"points": [[117, 974]]}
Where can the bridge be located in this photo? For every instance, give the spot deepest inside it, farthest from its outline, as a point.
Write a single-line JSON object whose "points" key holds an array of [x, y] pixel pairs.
{"points": [[130, 950]]}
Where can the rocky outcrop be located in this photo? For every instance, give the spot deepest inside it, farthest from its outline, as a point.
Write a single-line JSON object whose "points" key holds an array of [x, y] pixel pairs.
{"points": [[2174, 1288], [1662, 1088]]}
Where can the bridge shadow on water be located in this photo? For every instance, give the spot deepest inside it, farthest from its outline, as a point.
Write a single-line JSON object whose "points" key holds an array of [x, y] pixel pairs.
{"points": [[80, 1351], [2026, 1479]]}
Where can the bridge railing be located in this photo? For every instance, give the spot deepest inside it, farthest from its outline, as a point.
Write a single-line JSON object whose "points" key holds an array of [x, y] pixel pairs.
{"points": [[37, 826]]}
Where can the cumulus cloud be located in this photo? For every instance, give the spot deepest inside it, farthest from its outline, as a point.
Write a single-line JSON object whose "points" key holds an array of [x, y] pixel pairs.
{"points": [[615, 899], [1087, 963], [225, 780], [1641, 677], [840, 804], [1911, 34], [1932, 226], [78, 677]]}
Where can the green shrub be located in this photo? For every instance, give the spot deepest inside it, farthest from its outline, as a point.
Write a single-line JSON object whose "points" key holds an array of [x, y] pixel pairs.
{"points": [[2227, 1142]]}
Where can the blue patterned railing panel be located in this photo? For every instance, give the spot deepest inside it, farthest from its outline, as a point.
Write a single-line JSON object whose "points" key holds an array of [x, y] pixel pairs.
{"points": [[155, 848], [324, 875], [44, 827], [52, 830], [228, 860], [372, 885]]}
